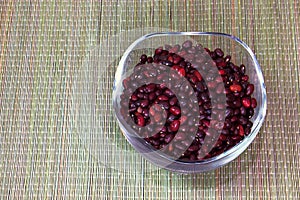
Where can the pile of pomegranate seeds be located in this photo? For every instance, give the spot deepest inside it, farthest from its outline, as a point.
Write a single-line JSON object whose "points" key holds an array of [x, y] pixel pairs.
{"points": [[231, 81]]}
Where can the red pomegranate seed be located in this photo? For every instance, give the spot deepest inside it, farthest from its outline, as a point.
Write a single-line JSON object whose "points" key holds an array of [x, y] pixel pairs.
{"points": [[173, 101], [181, 72], [157, 117], [245, 78], [134, 97], [150, 88], [227, 58], [164, 52], [139, 110], [198, 75], [125, 83], [183, 119], [221, 64], [144, 103], [143, 58], [243, 69], [222, 72], [193, 79], [187, 44], [174, 49], [219, 79], [246, 102], [174, 125], [176, 67], [249, 89], [241, 130], [158, 51], [219, 52], [149, 60], [193, 148], [177, 59], [152, 111], [179, 69], [182, 53], [175, 110], [170, 59], [206, 123], [235, 88], [162, 98], [253, 103], [169, 137], [211, 84], [140, 120]]}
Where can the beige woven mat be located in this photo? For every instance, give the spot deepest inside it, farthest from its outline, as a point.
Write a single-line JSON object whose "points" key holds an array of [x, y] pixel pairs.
{"points": [[57, 64]]}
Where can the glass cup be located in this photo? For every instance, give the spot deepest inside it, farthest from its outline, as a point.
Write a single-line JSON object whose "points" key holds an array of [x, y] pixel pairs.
{"points": [[240, 54]]}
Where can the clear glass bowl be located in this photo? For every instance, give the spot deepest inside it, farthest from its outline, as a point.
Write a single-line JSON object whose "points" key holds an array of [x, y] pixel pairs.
{"points": [[240, 53]]}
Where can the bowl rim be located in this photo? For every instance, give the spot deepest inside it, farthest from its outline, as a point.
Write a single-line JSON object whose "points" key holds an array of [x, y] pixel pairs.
{"points": [[224, 157]]}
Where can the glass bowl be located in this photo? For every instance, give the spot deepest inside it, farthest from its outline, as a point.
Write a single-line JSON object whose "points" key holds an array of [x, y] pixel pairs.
{"points": [[164, 157]]}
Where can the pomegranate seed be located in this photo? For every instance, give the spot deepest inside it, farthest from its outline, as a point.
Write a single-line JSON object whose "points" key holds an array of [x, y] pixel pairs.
{"points": [[139, 110], [187, 44], [193, 148], [140, 120], [179, 69], [222, 72], [144, 103], [176, 59], [162, 98], [249, 89], [157, 117], [143, 58], [245, 78], [206, 123], [211, 84], [235, 88], [170, 59], [198, 75], [175, 110], [158, 51], [174, 49], [246, 102], [169, 137], [173, 101], [126, 83], [227, 58], [193, 79], [207, 50], [182, 53], [241, 130], [152, 111], [152, 96], [134, 97], [150, 88], [219, 79], [174, 126], [164, 53], [149, 60], [253, 103], [219, 52], [221, 64], [243, 69], [183, 119], [181, 72], [176, 67]]}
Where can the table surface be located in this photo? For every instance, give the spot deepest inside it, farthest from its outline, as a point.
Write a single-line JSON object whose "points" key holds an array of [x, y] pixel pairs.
{"points": [[58, 136]]}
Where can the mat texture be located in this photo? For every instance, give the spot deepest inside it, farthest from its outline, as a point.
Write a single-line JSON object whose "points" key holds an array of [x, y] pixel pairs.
{"points": [[58, 137]]}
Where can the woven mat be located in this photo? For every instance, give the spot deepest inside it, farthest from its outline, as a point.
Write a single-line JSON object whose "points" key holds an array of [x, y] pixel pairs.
{"points": [[57, 65]]}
